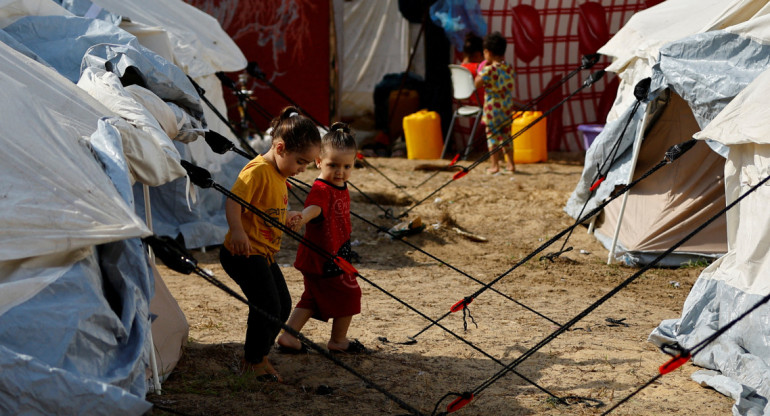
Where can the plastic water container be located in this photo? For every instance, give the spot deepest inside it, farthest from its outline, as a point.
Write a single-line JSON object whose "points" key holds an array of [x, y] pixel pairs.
{"points": [[422, 132], [531, 146], [589, 133]]}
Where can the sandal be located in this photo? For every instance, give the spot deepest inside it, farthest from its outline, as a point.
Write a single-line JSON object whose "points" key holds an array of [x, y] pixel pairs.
{"points": [[268, 378], [282, 349], [354, 347], [265, 376]]}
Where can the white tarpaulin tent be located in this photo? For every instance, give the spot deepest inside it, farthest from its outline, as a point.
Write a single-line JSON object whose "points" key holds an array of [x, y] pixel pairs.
{"points": [[738, 362], [694, 78], [75, 282], [193, 41], [70, 236]]}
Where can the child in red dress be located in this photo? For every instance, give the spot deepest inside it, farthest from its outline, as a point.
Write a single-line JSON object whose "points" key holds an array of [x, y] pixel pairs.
{"points": [[329, 292]]}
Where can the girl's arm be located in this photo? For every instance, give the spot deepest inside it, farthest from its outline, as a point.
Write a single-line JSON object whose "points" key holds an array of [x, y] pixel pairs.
{"points": [[478, 82], [295, 220], [238, 237]]}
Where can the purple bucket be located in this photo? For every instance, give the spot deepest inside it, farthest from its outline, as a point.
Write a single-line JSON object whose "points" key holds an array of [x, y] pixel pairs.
{"points": [[589, 133]]}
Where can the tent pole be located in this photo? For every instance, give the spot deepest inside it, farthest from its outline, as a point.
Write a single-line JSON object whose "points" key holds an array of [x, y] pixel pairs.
{"points": [[153, 359], [634, 160]]}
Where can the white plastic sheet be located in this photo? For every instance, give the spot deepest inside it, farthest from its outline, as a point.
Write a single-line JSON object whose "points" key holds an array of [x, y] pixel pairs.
{"points": [[55, 195]]}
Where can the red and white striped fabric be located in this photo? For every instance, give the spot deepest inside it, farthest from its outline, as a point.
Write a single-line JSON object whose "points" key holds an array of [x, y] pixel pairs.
{"points": [[546, 41]]}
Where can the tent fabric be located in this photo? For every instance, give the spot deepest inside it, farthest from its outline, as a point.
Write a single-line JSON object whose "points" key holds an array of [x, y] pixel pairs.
{"points": [[738, 362], [152, 157], [666, 207], [377, 41], [169, 328], [12, 10], [650, 30], [200, 45], [74, 334], [728, 288], [63, 40], [51, 148], [161, 77], [707, 70], [716, 59], [546, 40]]}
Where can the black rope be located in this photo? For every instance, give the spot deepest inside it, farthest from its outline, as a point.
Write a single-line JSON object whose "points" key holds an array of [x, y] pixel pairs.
{"points": [[673, 153], [220, 144], [680, 354], [244, 143], [640, 93], [614, 291], [588, 82], [452, 163], [180, 260], [387, 212], [587, 62], [202, 178], [417, 248], [400, 187]]}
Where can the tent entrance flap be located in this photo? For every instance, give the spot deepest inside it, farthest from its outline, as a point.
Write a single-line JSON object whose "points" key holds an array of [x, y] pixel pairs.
{"points": [[661, 211]]}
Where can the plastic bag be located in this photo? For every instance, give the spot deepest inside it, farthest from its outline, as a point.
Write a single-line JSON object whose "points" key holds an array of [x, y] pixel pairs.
{"points": [[458, 18]]}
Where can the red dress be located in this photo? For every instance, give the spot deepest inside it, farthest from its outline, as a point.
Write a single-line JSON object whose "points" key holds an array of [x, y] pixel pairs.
{"points": [[329, 292]]}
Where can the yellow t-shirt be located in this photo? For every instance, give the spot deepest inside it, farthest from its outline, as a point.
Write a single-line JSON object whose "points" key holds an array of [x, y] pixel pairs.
{"points": [[260, 184]]}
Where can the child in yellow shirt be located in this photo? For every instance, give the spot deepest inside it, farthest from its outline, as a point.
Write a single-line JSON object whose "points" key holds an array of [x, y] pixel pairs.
{"points": [[251, 243]]}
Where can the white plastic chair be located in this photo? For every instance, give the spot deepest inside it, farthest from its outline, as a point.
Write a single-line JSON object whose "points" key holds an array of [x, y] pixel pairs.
{"points": [[462, 89]]}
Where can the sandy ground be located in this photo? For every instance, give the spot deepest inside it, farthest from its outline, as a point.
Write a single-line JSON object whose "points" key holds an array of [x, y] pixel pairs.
{"points": [[516, 213]]}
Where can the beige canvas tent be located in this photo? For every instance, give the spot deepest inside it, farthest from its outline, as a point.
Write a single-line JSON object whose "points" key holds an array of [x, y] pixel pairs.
{"points": [[693, 78]]}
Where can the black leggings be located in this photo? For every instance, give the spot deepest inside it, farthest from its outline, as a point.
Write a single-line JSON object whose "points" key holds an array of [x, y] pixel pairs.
{"points": [[264, 286]]}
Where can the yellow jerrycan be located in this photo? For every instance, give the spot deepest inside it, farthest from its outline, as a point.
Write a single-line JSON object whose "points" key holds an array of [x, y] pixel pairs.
{"points": [[422, 133], [530, 146]]}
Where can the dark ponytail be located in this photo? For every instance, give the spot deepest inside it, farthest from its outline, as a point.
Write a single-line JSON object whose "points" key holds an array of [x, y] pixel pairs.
{"points": [[297, 131], [339, 137]]}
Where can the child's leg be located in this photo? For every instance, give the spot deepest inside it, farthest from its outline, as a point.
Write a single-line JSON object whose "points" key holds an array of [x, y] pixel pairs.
{"points": [[297, 320], [494, 158], [262, 284], [339, 339], [509, 152]]}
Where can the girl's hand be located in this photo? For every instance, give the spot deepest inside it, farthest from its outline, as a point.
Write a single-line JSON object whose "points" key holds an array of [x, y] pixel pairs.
{"points": [[240, 242], [294, 220]]}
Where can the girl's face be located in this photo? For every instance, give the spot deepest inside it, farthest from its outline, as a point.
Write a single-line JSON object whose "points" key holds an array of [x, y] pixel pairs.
{"points": [[336, 165], [292, 163]]}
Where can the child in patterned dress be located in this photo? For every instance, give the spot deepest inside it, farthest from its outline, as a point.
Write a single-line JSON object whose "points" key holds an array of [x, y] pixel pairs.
{"points": [[496, 77]]}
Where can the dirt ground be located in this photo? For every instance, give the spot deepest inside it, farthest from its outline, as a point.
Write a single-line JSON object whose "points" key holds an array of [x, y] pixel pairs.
{"points": [[517, 214]]}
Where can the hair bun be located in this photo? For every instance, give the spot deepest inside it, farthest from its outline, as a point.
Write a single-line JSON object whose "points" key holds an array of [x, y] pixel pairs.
{"points": [[340, 126], [289, 112]]}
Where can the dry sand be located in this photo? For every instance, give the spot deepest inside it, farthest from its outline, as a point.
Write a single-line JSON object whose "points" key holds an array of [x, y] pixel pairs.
{"points": [[516, 213]]}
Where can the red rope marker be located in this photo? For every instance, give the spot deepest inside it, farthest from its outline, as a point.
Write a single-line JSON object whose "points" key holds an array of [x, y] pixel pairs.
{"points": [[460, 305], [674, 363], [360, 156], [454, 160], [459, 175], [459, 402], [345, 266], [596, 184]]}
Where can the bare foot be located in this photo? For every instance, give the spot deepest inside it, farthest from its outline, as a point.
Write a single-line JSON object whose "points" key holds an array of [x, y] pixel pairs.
{"points": [[338, 346], [288, 341], [261, 370], [511, 168], [493, 170]]}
